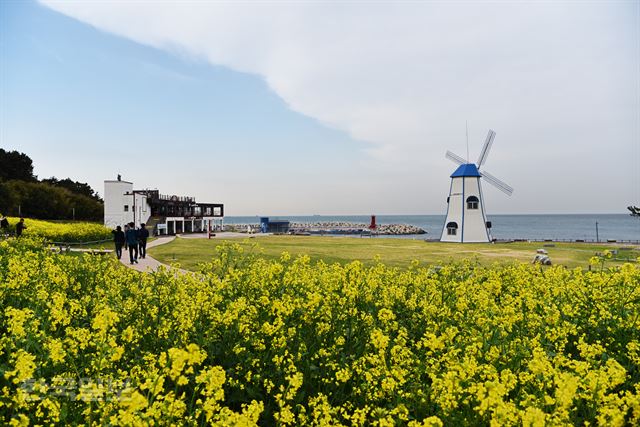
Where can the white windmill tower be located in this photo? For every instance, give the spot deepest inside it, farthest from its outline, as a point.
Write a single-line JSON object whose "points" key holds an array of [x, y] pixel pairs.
{"points": [[466, 220]]}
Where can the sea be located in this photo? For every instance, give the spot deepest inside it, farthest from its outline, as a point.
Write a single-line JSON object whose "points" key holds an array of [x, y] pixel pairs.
{"points": [[570, 227]]}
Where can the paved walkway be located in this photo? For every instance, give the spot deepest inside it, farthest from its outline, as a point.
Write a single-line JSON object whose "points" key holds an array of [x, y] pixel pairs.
{"points": [[148, 263], [224, 235]]}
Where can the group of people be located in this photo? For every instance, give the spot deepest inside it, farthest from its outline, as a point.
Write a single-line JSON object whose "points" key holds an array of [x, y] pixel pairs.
{"points": [[4, 226], [132, 238]]}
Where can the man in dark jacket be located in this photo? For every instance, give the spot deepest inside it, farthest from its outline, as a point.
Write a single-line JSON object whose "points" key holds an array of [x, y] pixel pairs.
{"points": [[131, 237], [20, 227], [143, 235], [118, 239], [4, 225]]}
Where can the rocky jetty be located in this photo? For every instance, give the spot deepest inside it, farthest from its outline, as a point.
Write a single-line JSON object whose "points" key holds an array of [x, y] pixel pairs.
{"points": [[355, 228], [335, 228]]}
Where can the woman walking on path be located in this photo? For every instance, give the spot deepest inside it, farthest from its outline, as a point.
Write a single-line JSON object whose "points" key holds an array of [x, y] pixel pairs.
{"points": [[132, 242], [119, 240]]}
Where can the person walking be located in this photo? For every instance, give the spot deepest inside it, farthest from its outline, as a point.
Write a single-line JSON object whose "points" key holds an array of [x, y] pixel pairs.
{"points": [[119, 240], [143, 235], [20, 227], [132, 242], [4, 224], [126, 228]]}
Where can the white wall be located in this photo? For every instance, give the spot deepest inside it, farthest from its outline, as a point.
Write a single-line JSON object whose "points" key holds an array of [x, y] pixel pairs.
{"points": [[454, 212], [142, 209], [471, 222], [117, 195], [474, 228], [115, 199]]}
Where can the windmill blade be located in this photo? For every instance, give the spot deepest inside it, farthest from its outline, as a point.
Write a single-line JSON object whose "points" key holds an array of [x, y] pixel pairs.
{"points": [[507, 189], [486, 147], [455, 158]]}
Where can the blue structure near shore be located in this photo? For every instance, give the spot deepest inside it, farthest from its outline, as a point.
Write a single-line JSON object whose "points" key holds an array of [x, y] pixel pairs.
{"points": [[276, 227]]}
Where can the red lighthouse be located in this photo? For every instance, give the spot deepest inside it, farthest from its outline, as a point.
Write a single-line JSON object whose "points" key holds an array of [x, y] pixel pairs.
{"points": [[373, 225]]}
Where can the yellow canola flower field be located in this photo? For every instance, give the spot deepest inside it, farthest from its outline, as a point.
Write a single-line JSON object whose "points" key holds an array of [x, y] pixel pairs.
{"points": [[254, 342], [71, 232]]}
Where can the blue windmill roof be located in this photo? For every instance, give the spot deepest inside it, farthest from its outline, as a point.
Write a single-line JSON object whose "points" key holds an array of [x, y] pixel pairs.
{"points": [[468, 169]]}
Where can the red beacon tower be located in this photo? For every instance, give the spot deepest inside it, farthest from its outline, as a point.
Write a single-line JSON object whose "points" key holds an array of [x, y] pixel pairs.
{"points": [[373, 225]]}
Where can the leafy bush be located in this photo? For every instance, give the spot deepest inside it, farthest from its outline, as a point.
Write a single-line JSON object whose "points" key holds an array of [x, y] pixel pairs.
{"points": [[287, 342], [63, 232]]}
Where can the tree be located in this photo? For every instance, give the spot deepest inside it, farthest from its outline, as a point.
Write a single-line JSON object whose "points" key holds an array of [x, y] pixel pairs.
{"points": [[43, 201], [38, 200], [16, 165], [22, 193], [86, 208], [7, 199], [74, 186]]}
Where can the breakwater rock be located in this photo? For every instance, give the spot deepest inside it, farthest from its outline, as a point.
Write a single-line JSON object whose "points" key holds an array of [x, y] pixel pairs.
{"points": [[355, 228], [335, 228]]}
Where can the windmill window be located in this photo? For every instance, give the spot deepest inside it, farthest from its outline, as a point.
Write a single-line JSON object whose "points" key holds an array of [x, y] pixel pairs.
{"points": [[452, 228], [472, 202]]}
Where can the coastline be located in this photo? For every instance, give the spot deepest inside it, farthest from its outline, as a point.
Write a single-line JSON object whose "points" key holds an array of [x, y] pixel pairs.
{"points": [[336, 227], [538, 227]]}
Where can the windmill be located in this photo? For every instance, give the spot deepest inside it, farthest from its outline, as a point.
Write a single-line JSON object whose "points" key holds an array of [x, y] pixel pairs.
{"points": [[466, 220]]}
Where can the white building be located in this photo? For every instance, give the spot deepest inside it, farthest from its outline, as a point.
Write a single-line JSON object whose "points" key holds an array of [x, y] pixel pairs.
{"points": [[122, 205], [161, 213], [466, 220]]}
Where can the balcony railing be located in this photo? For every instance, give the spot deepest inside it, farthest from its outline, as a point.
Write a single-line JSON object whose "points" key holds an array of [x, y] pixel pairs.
{"points": [[183, 199]]}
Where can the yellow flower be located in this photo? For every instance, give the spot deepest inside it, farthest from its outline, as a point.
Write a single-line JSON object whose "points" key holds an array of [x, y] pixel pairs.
{"points": [[17, 318], [56, 350], [104, 320], [432, 421], [386, 315], [20, 420], [213, 379], [25, 366], [343, 375], [379, 340], [567, 386], [128, 334]]}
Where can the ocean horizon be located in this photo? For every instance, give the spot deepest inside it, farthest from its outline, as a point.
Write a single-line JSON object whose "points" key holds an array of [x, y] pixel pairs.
{"points": [[519, 226]]}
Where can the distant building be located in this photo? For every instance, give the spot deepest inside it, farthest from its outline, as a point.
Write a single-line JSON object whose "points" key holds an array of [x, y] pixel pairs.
{"points": [[466, 221], [161, 213], [276, 227]]}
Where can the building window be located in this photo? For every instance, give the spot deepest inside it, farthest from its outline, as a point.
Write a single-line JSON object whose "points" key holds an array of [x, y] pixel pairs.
{"points": [[126, 208], [452, 228], [472, 202]]}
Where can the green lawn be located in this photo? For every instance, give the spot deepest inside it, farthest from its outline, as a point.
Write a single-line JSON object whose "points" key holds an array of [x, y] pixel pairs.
{"points": [[189, 252]]}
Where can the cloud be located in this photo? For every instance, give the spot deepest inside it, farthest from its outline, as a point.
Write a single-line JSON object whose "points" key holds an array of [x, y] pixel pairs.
{"points": [[404, 77]]}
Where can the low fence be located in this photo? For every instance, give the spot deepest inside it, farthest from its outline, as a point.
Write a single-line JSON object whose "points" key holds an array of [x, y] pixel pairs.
{"points": [[70, 244], [63, 244]]}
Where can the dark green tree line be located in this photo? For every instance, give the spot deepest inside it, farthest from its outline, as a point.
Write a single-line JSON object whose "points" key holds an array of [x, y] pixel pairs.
{"points": [[16, 165], [22, 194]]}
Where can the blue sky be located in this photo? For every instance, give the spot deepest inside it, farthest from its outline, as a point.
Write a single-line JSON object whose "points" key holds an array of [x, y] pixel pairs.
{"points": [[270, 110]]}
